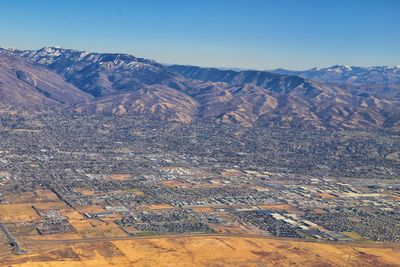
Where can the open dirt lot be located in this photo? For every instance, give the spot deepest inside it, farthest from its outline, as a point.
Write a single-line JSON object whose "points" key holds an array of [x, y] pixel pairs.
{"points": [[204, 251], [18, 213]]}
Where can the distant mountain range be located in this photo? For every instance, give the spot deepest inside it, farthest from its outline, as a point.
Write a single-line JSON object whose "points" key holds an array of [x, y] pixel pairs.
{"points": [[347, 74], [383, 81], [102, 83]]}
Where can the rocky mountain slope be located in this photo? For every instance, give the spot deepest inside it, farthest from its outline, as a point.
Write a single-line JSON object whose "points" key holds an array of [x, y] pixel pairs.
{"points": [[100, 74], [257, 97], [124, 85], [28, 85]]}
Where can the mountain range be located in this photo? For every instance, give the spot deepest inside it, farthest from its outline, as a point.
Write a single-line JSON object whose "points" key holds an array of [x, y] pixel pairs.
{"points": [[383, 81], [60, 79]]}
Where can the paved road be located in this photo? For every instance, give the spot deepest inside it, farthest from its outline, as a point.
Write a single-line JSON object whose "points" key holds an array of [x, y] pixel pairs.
{"points": [[11, 240], [108, 239]]}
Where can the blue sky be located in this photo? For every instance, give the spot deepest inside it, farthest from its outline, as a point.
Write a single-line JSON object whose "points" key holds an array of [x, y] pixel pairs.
{"points": [[262, 34]]}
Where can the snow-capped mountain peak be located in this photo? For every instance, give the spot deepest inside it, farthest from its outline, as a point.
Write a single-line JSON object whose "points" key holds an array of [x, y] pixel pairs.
{"points": [[350, 74]]}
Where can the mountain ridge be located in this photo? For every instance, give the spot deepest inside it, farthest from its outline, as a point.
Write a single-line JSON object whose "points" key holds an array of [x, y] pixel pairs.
{"points": [[26, 84], [379, 80], [123, 85]]}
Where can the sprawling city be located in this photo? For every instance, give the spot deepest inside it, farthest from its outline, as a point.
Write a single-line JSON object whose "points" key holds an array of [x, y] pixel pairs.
{"points": [[141, 133], [57, 183]]}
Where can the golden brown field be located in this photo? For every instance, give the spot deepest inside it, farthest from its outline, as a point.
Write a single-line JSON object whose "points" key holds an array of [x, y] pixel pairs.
{"points": [[119, 176], [203, 251], [17, 213]]}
